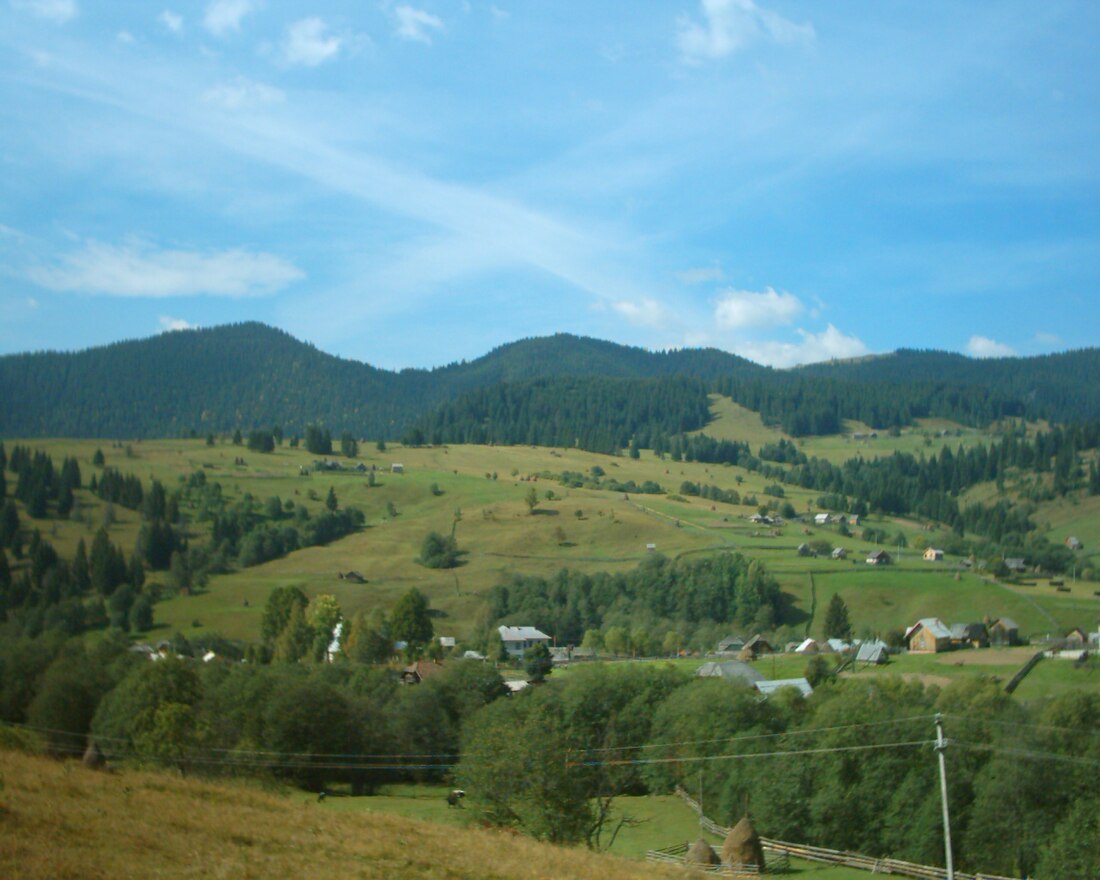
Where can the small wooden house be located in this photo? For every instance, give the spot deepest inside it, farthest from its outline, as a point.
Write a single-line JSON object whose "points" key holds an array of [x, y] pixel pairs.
{"points": [[933, 554], [879, 557], [1076, 639], [1073, 543], [1004, 631], [806, 550], [416, 672], [839, 553], [756, 646], [930, 635], [969, 635]]}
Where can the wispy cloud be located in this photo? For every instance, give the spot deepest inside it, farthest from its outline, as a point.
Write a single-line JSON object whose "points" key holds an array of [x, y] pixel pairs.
{"points": [[169, 324], [645, 312], [416, 24], [243, 92], [1048, 338], [309, 43], [984, 347], [730, 25], [701, 275], [812, 348], [225, 16], [171, 20], [139, 270], [57, 11], [745, 309]]}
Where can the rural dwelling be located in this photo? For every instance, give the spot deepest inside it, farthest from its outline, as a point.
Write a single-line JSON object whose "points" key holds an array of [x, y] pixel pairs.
{"points": [[821, 519], [929, 635], [1005, 631], [1015, 565], [933, 554], [756, 646], [730, 645], [840, 553], [560, 656], [872, 652], [517, 639], [969, 635], [731, 670], [416, 672], [1073, 543], [838, 646], [396, 468], [879, 557], [1076, 640], [805, 550], [767, 688], [515, 686], [808, 646], [447, 642]]}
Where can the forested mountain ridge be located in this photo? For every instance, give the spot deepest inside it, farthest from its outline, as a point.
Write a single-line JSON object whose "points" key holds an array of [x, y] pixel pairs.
{"points": [[253, 376]]}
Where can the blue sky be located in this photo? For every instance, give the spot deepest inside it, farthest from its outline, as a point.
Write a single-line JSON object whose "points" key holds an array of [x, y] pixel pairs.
{"points": [[413, 183]]}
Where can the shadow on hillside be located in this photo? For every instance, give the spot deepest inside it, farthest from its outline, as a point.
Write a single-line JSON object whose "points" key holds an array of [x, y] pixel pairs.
{"points": [[789, 613], [538, 512]]}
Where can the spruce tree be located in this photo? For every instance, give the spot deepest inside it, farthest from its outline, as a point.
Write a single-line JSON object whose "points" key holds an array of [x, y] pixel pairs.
{"points": [[837, 623]]}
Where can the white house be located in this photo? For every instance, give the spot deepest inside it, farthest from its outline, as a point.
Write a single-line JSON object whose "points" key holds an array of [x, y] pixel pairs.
{"points": [[822, 519], [517, 639], [333, 650]]}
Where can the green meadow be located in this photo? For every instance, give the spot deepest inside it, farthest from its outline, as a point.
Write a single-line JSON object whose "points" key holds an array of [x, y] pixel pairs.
{"points": [[478, 493]]}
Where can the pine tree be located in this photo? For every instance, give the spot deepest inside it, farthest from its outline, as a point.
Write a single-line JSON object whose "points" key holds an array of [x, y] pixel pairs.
{"points": [[837, 623]]}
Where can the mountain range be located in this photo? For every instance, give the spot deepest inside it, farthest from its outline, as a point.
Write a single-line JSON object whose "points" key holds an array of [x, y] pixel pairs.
{"points": [[251, 375]]}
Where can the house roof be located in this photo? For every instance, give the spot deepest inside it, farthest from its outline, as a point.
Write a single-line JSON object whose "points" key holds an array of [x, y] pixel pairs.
{"points": [[767, 688], [968, 631], [873, 651], [806, 646], [522, 634], [757, 640], [422, 668], [1006, 623], [934, 625], [1015, 563], [734, 642], [731, 670], [839, 645], [878, 554]]}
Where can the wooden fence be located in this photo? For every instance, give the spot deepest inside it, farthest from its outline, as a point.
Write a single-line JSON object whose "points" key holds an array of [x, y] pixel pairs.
{"points": [[897, 867]]}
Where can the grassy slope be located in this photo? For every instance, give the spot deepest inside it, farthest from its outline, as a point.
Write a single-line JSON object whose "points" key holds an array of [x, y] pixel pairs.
{"points": [[138, 825], [499, 537]]}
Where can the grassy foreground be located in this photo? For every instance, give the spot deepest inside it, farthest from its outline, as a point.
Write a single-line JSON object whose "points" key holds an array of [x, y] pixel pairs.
{"points": [[60, 820]]}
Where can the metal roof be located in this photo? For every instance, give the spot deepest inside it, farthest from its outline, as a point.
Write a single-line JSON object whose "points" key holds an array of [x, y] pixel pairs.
{"points": [[767, 688], [522, 634]]}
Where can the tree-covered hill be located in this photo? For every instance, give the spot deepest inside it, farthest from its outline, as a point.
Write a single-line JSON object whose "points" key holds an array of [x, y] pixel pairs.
{"points": [[253, 376]]}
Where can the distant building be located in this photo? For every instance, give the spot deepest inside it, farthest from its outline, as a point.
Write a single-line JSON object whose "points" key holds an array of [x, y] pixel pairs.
{"points": [[1004, 631], [756, 646], [416, 672], [929, 635], [969, 635], [872, 652], [839, 553], [767, 688], [730, 670], [933, 554], [396, 468], [517, 639], [1073, 543], [879, 557]]}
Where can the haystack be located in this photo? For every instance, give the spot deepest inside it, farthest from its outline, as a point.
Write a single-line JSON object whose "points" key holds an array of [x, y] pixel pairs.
{"points": [[701, 853], [93, 757], [742, 847]]}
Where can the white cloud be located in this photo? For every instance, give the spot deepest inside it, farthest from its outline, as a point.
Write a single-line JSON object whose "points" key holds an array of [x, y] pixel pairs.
{"points": [[169, 324], [125, 37], [171, 20], [137, 270], [416, 24], [730, 25], [741, 309], [307, 42], [645, 312], [57, 11], [701, 274], [812, 348], [1048, 338], [243, 92], [223, 16], [984, 347]]}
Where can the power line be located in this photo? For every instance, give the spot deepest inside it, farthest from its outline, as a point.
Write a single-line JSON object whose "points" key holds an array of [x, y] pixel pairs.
{"points": [[746, 755], [758, 736], [1029, 754]]}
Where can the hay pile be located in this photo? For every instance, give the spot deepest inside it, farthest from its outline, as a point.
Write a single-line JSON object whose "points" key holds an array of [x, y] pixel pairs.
{"points": [[702, 853], [742, 849]]}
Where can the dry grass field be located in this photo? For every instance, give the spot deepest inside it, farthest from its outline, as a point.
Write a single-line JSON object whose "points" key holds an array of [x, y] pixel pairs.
{"points": [[61, 821]]}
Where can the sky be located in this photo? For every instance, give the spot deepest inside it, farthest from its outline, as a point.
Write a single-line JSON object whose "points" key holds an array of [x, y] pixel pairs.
{"points": [[411, 184]]}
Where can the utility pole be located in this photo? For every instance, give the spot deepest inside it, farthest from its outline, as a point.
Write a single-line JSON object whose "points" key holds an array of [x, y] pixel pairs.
{"points": [[941, 746]]}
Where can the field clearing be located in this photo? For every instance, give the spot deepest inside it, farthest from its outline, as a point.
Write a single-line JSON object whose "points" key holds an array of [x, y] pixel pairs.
{"points": [[479, 492], [662, 820]]}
